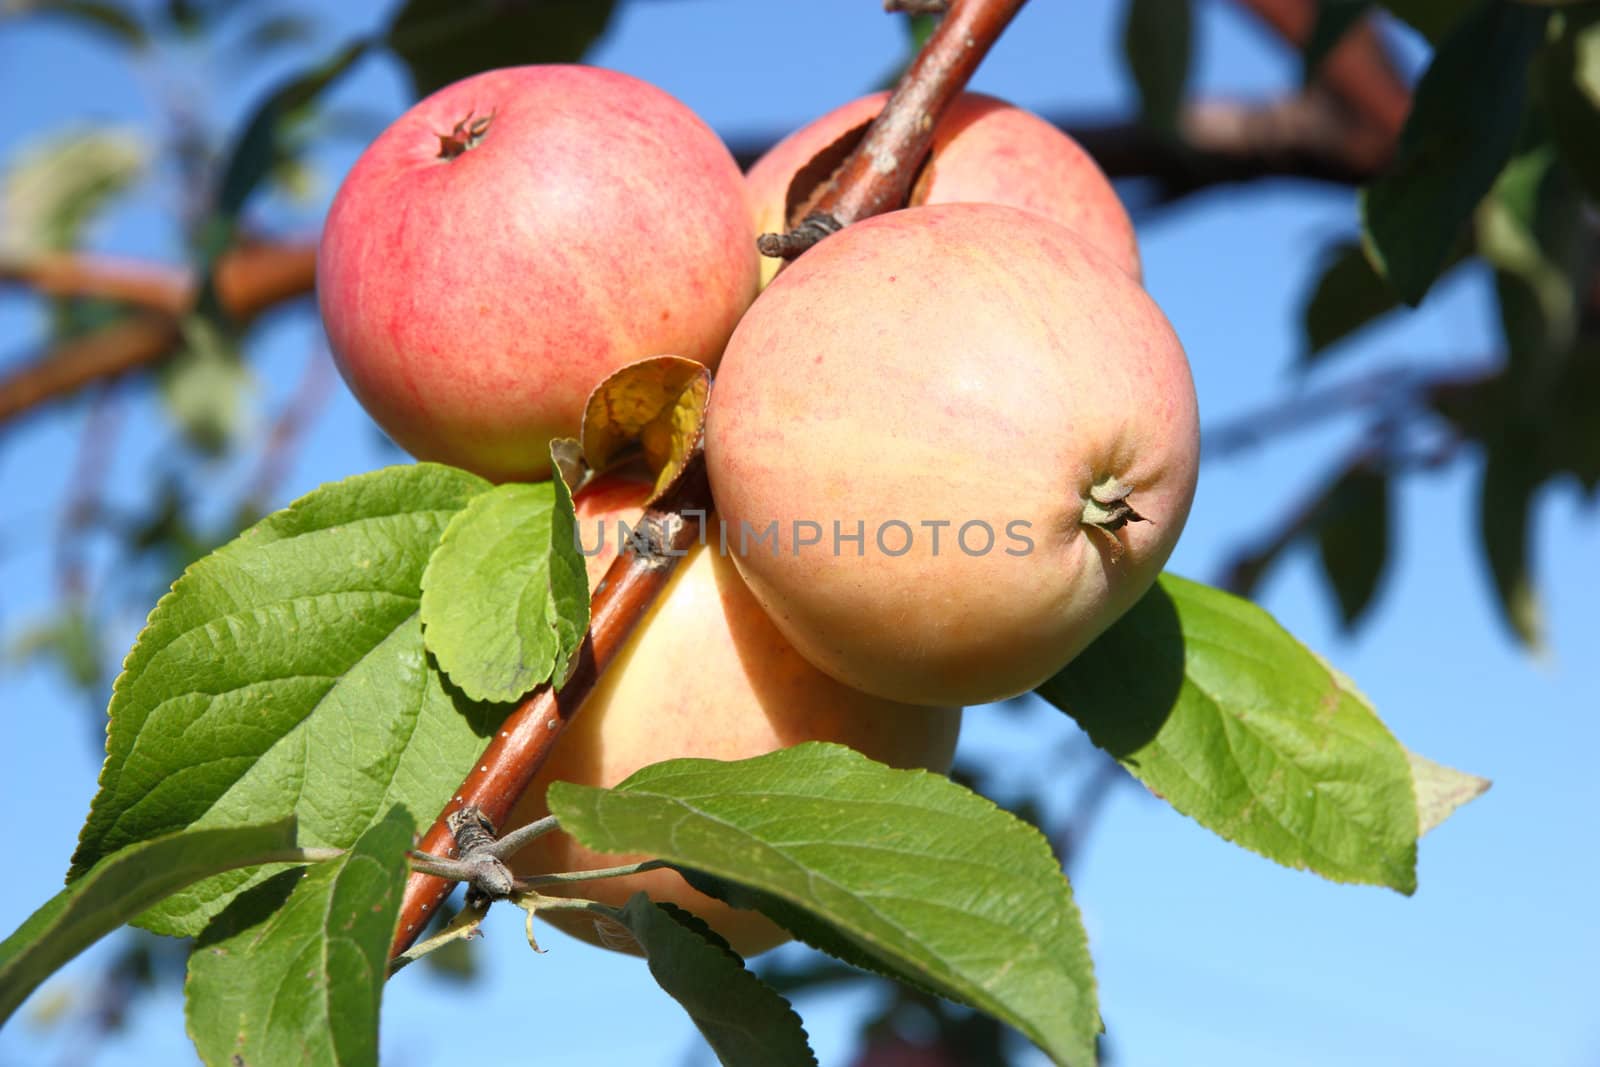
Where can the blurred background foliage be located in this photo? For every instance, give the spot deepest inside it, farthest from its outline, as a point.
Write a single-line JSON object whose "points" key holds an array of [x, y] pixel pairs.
{"points": [[1490, 157]]}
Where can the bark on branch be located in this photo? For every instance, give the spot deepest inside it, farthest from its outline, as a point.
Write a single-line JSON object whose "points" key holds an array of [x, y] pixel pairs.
{"points": [[251, 280]]}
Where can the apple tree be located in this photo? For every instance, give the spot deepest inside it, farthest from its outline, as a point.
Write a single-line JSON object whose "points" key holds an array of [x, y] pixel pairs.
{"points": [[339, 709]]}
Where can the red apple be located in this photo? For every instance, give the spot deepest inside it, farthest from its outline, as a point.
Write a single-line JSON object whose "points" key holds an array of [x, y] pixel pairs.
{"points": [[984, 151], [705, 674], [966, 364], [513, 239]]}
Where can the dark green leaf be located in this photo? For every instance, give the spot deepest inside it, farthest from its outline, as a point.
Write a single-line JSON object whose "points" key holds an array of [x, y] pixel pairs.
{"points": [[1335, 18], [1156, 43], [1505, 513], [121, 24], [1463, 125], [260, 147], [505, 600], [1569, 82], [1210, 703], [1431, 18], [906, 866], [293, 971], [1352, 535], [1530, 228], [285, 673], [118, 888], [1348, 296], [443, 41], [818, 933], [745, 1021]]}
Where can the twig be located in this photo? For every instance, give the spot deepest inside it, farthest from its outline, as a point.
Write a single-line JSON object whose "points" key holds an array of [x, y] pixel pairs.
{"points": [[569, 877], [1358, 70], [877, 176], [526, 738], [463, 927], [250, 280]]}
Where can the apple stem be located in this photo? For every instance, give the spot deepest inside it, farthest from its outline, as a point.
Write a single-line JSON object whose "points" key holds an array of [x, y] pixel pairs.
{"points": [[877, 176], [813, 228], [916, 7]]}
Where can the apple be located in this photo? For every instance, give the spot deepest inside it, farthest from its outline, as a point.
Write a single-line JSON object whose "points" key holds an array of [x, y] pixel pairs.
{"points": [[966, 364], [985, 151], [704, 674], [513, 239]]}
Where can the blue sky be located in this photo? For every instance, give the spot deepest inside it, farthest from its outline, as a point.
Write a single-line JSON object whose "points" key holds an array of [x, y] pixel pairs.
{"points": [[1205, 954]]}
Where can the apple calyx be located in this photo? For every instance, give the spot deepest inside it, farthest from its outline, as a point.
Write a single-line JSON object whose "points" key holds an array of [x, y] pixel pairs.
{"points": [[464, 136], [1107, 508]]}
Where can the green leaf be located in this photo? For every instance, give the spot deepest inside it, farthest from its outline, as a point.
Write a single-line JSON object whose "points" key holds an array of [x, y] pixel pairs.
{"points": [[1216, 708], [1156, 44], [1431, 18], [443, 41], [505, 600], [744, 1020], [1463, 125], [1352, 536], [1335, 18], [912, 870], [260, 147], [58, 187], [1441, 790], [1569, 82], [285, 673], [1348, 296], [122, 25], [1530, 227], [299, 980], [1505, 512], [118, 888]]}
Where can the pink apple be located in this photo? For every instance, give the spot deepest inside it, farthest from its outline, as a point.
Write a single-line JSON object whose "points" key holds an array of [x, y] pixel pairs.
{"points": [[966, 364], [514, 238], [984, 151]]}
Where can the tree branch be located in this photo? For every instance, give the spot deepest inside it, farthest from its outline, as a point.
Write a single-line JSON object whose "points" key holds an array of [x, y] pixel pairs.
{"points": [[526, 738], [251, 280], [1358, 71], [877, 175]]}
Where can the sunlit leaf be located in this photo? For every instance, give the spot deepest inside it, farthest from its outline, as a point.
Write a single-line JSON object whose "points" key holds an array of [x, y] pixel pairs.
{"points": [[909, 870], [285, 674]]}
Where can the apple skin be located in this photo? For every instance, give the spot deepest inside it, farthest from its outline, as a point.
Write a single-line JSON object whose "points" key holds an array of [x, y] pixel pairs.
{"points": [[958, 363], [705, 674], [473, 302], [984, 151]]}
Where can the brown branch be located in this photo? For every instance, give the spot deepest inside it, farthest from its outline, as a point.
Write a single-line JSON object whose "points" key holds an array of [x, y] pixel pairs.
{"points": [[1358, 71], [877, 176], [251, 279], [133, 282], [526, 738]]}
